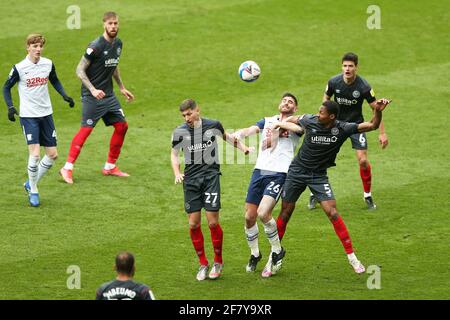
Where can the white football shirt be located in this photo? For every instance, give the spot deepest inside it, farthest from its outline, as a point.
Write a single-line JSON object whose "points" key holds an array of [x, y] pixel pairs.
{"points": [[33, 87], [279, 157]]}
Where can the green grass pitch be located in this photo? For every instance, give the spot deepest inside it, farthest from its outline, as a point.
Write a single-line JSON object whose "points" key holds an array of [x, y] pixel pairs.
{"points": [[179, 49]]}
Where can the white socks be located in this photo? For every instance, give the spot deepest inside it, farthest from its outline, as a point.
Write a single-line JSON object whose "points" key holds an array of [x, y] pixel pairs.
{"points": [[367, 194], [33, 162], [352, 257], [109, 166], [68, 166], [252, 239], [270, 228], [44, 165], [271, 231]]}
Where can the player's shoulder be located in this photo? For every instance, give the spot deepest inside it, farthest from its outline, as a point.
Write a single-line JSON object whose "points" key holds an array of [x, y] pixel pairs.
{"points": [[336, 79], [181, 127], [45, 61], [272, 118], [97, 42], [105, 286], [362, 82], [210, 122], [141, 287], [309, 116], [22, 64]]}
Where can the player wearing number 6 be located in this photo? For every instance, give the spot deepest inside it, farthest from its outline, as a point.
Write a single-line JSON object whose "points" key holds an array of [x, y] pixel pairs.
{"points": [[349, 91], [324, 136], [197, 138], [97, 67], [276, 151]]}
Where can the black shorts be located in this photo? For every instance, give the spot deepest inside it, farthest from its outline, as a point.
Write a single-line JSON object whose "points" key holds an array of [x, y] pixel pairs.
{"points": [[108, 109], [202, 192], [359, 141], [298, 179], [39, 131]]}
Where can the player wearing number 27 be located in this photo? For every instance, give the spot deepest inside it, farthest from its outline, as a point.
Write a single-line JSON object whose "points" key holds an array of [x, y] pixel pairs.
{"points": [[197, 138], [324, 136], [276, 151]]}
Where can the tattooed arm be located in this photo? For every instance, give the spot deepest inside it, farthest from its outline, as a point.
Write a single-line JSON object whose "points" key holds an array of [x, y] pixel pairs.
{"points": [[81, 73]]}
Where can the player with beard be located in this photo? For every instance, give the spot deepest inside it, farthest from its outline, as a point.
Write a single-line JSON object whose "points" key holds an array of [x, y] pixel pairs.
{"points": [[96, 69], [276, 152]]}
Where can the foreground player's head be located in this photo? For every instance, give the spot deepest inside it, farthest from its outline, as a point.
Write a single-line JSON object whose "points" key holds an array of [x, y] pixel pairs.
{"points": [[190, 112], [328, 112], [349, 65], [111, 24], [125, 264], [35, 44], [288, 104]]}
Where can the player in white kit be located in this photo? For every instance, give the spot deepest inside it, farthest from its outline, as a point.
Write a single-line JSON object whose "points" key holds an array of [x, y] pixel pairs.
{"points": [[32, 75], [276, 152]]}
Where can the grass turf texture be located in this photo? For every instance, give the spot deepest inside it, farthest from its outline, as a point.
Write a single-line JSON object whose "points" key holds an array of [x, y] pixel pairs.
{"points": [[180, 50]]}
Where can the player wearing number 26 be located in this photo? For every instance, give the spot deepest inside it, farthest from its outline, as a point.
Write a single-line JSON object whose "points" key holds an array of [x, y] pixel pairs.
{"points": [[276, 151], [197, 138]]}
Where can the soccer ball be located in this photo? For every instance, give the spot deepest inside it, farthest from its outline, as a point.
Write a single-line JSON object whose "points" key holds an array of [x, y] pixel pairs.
{"points": [[249, 71]]}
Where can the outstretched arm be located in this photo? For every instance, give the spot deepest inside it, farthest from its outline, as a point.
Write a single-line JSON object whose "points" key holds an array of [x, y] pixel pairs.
{"points": [[179, 177], [242, 133], [289, 125], [125, 92], [374, 123], [236, 143]]}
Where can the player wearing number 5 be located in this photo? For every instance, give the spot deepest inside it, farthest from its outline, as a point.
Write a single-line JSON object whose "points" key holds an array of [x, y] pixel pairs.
{"points": [[276, 151], [197, 138], [349, 91], [97, 67], [324, 136]]}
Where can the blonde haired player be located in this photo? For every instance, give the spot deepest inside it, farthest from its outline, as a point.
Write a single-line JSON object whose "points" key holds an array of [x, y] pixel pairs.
{"points": [[33, 74]]}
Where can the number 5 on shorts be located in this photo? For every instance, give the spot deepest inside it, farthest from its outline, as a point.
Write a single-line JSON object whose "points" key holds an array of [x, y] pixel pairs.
{"points": [[328, 191]]}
